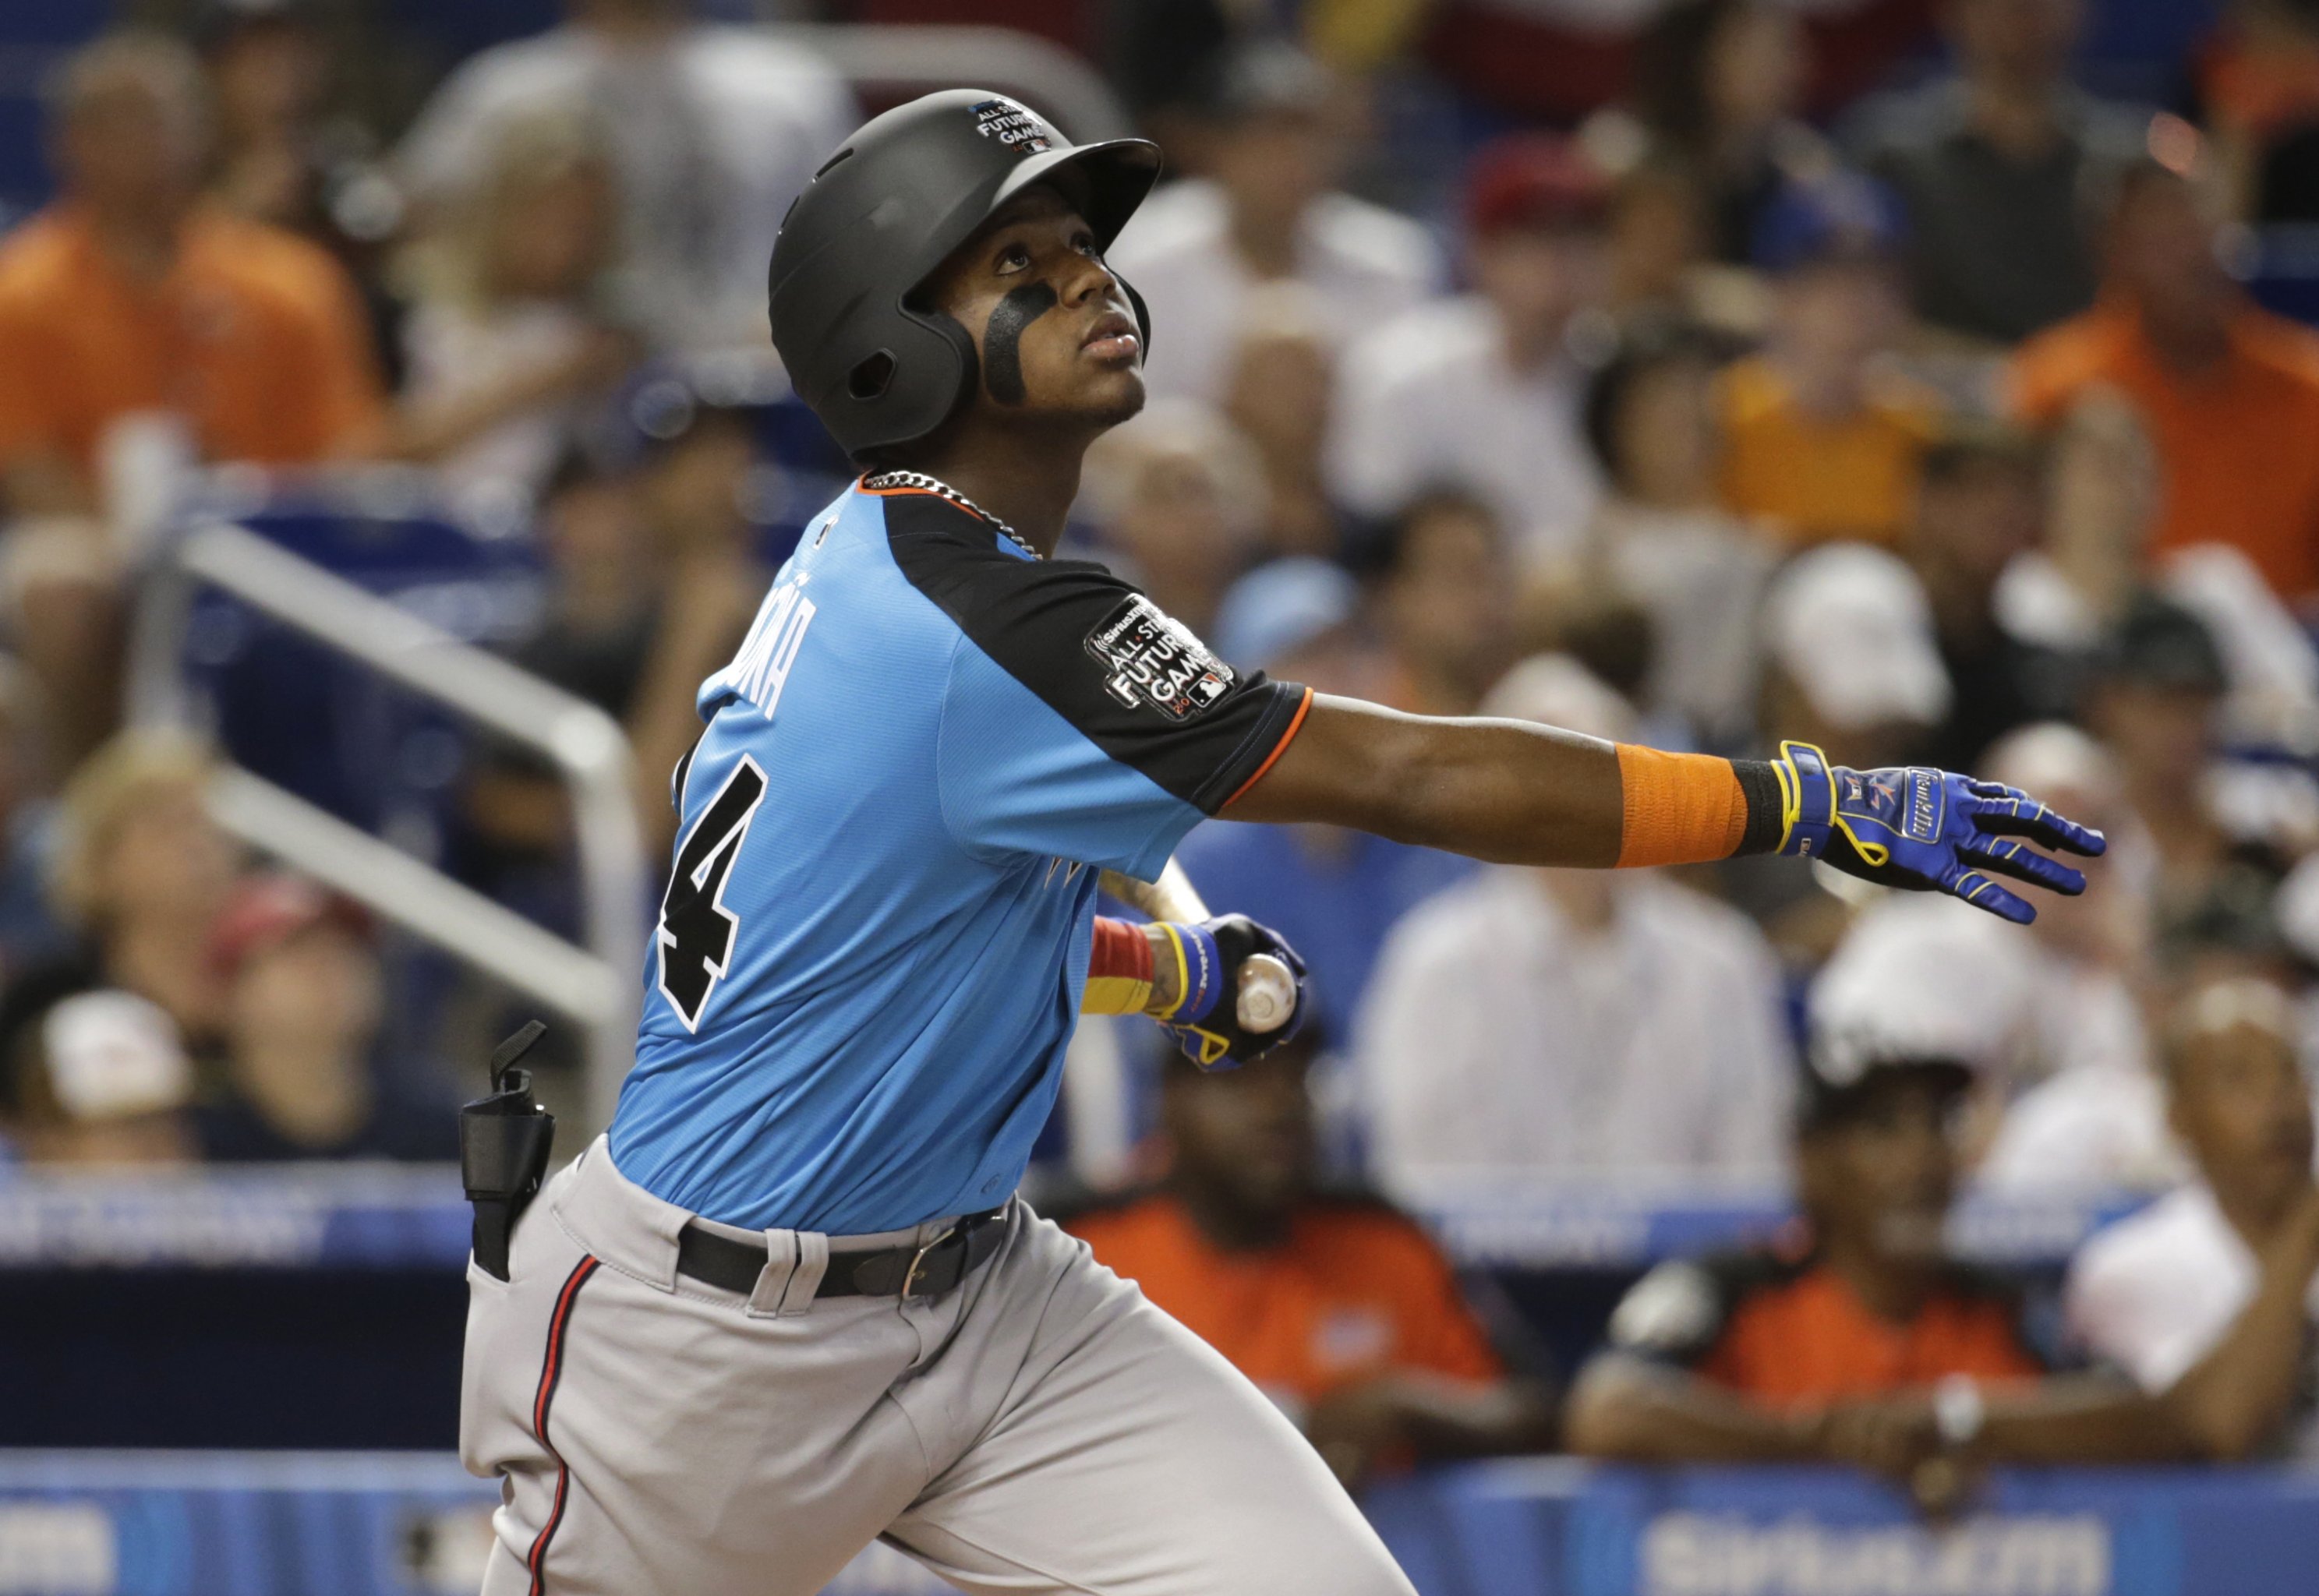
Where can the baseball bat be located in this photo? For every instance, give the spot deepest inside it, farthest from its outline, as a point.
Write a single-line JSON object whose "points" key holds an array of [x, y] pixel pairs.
{"points": [[1268, 990]]}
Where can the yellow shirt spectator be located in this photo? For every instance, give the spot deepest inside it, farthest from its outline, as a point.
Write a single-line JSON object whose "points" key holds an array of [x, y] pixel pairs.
{"points": [[1809, 480]]}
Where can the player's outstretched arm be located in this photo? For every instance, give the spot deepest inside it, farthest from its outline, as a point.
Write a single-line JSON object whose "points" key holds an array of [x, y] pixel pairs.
{"points": [[1517, 793], [1510, 791]]}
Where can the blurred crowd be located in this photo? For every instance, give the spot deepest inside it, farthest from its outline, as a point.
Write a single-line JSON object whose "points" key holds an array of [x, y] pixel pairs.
{"points": [[1942, 429]]}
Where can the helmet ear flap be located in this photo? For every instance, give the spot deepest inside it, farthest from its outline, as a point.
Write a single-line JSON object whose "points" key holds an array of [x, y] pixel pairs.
{"points": [[970, 365], [914, 383]]}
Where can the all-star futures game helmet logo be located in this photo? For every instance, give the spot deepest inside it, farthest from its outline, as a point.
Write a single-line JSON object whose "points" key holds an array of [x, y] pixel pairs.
{"points": [[1012, 125], [1149, 659]]}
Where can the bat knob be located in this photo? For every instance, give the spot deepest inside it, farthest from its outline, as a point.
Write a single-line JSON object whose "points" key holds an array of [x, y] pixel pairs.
{"points": [[1268, 994]]}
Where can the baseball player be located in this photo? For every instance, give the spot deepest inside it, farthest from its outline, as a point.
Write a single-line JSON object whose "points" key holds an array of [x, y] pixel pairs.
{"points": [[789, 1305]]}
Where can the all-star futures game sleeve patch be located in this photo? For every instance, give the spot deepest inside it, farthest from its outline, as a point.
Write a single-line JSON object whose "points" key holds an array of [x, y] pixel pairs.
{"points": [[1154, 660], [1125, 676]]}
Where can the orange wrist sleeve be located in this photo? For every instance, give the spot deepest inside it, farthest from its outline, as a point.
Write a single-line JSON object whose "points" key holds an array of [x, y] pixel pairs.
{"points": [[1679, 808]]}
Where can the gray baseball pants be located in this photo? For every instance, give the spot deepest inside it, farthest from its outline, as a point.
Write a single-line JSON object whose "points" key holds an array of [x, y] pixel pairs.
{"points": [[1042, 1427]]}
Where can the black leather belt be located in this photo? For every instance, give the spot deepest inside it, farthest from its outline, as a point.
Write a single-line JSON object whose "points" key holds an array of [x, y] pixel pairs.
{"points": [[904, 1271]]}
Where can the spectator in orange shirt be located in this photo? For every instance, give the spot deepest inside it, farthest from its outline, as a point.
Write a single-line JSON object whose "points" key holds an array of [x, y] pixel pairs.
{"points": [[1862, 1341], [1820, 440], [1866, 1306], [128, 298], [1339, 1308], [2229, 392], [128, 295]]}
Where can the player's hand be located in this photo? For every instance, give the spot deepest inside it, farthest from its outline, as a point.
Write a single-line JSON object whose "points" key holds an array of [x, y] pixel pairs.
{"points": [[1207, 1022], [1928, 831]]}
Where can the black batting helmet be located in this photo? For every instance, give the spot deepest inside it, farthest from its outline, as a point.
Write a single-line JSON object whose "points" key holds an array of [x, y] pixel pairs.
{"points": [[907, 188]]}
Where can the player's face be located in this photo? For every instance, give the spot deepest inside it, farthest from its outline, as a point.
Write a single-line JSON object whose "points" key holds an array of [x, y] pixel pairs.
{"points": [[1054, 332]]}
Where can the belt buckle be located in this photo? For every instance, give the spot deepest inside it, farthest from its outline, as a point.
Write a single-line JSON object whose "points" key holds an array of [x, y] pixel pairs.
{"points": [[918, 1258]]}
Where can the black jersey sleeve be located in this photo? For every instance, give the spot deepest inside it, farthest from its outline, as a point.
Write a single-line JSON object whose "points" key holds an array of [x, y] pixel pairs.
{"points": [[1078, 719]]}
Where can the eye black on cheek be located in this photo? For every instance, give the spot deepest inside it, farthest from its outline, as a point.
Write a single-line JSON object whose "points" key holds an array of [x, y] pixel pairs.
{"points": [[1002, 337]]}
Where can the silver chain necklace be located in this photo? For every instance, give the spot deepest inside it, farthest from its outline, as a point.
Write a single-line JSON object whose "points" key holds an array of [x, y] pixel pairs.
{"points": [[943, 489]]}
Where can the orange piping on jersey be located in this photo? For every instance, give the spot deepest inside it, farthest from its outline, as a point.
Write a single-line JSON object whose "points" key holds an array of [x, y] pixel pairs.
{"points": [[955, 500], [1278, 748]]}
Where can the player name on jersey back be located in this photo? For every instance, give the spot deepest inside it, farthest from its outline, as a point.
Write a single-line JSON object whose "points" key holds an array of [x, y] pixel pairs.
{"points": [[761, 668]]}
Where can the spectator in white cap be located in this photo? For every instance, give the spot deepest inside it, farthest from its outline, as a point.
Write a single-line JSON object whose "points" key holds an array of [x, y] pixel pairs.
{"points": [[97, 1076], [1604, 1023], [2050, 1019], [2155, 1294], [1957, 998], [1853, 667]]}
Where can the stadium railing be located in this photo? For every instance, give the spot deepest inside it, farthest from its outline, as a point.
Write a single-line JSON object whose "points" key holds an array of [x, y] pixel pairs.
{"points": [[592, 983]]}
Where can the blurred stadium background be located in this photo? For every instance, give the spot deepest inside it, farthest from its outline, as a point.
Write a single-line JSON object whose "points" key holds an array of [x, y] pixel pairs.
{"points": [[390, 443]]}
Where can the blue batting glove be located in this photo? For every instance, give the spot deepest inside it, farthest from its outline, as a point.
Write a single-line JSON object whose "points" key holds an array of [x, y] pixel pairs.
{"points": [[1927, 830], [1206, 1023]]}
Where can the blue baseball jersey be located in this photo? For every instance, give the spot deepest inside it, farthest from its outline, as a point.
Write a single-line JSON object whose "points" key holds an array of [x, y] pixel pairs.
{"points": [[870, 953]]}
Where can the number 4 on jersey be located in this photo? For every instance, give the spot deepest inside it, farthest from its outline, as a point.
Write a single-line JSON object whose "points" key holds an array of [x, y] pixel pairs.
{"points": [[695, 929]]}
